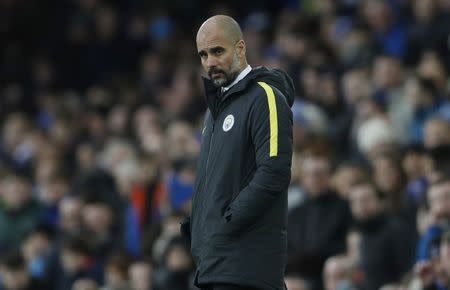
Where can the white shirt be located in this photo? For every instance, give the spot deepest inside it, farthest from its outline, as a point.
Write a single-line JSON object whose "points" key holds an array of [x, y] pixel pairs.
{"points": [[242, 75]]}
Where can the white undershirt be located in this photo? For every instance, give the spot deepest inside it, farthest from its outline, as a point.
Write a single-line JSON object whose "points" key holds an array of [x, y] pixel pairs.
{"points": [[242, 75]]}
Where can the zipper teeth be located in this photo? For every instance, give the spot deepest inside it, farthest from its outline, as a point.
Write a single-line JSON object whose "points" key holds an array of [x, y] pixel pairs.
{"points": [[209, 152], [206, 167]]}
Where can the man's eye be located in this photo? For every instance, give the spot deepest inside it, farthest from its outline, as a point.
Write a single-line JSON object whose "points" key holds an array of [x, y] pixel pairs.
{"points": [[219, 51]]}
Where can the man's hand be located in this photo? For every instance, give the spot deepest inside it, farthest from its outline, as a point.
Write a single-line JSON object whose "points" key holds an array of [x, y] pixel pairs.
{"points": [[424, 270]]}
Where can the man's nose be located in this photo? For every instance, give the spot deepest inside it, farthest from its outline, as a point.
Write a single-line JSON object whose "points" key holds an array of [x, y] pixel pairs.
{"points": [[212, 62]]}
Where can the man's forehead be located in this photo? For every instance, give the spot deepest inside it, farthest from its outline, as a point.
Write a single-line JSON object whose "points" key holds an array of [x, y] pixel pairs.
{"points": [[208, 39]]}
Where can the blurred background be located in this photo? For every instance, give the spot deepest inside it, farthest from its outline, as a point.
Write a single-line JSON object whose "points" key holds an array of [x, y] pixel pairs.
{"points": [[101, 107]]}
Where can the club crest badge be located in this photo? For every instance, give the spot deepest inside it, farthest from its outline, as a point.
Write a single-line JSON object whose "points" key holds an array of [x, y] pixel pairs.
{"points": [[228, 123]]}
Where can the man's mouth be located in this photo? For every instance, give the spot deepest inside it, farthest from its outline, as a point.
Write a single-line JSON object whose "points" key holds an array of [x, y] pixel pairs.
{"points": [[216, 74]]}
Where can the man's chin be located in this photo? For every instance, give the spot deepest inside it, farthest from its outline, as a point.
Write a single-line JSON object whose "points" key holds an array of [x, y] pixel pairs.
{"points": [[220, 82]]}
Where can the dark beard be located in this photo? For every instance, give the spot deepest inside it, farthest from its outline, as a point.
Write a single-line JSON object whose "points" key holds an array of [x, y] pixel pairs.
{"points": [[228, 77]]}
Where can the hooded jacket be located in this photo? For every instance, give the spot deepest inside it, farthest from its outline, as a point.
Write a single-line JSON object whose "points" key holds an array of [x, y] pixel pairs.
{"points": [[239, 207]]}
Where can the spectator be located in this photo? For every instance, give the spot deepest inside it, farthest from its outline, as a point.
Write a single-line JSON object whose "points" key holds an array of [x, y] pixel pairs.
{"points": [[389, 179], [19, 211], [414, 164], [140, 273], [422, 34], [98, 225], [389, 34], [438, 216], [70, 216], [116, 272], [15, 275], [375, 136], [76, 262], [424, 97], [294, 282], [386, 249], [436, 132], [337, 273], [309, 248], [37, 250], [435, 274], [177, 267], [85, 284], [347, 174], [50, 195]]}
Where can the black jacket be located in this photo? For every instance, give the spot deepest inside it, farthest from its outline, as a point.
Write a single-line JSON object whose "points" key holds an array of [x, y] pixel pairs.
{"points": [[387, 251], [317, 230], [239, 207]]}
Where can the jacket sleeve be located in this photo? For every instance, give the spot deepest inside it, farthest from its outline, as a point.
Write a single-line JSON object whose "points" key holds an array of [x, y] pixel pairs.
{"points": [[426, 242], [270, 127]]}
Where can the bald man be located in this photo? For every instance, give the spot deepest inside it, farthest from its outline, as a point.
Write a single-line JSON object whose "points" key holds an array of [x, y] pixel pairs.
{"points": [[239, 209]]}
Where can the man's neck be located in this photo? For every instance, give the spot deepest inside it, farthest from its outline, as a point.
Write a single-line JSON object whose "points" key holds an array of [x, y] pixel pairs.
{"points": [[244, 72]]}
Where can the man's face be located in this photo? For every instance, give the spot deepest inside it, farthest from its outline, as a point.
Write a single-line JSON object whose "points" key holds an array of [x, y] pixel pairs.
{"points": [[15, 279], [364, 202], [315, 175], [70, 212], [335, 272], [71, 262], [220, 57], [439, 200], [386, 175], [16, 192], [97, 217], [295, 283], [140, 276], [436, 133]]}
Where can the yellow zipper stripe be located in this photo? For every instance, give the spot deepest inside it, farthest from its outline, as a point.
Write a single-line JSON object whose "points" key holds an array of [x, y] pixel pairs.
{"points": [[273, 118]]}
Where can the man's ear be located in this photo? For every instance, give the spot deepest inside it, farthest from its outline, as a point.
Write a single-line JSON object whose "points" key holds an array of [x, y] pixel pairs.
{"points": [[241, 49]]}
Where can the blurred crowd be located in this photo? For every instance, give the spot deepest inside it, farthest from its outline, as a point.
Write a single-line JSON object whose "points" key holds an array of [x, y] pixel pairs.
{"points": [[101, 109]]}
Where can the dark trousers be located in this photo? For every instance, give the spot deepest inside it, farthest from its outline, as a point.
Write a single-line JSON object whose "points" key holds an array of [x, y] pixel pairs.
{"points": [[228, 287]]}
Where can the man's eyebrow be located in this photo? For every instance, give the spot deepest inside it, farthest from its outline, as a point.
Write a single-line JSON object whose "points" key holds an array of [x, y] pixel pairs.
{"points": [[215, 48], [210, 49]]}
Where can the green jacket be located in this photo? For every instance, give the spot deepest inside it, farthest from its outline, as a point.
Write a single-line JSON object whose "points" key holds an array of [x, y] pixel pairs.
{"points": [[16, 224]]}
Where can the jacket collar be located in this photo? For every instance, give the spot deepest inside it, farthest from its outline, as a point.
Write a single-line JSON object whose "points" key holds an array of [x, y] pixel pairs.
{"points": [[241, 75], [215, 96]]}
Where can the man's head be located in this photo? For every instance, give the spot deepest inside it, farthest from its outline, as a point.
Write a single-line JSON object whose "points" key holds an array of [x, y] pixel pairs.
{"points": [[116, 270], [14, 271], [336, 271], [347, 174], [221, 49], [365, 201], [70, 214], [315, 171], [294, 282], [97, 215], [140, 274], [436, 132], [439, 199], [387, 173], [16, 191], [74, 254]]}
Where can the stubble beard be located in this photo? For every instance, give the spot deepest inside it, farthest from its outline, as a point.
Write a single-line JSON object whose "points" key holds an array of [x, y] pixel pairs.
{"points": [[228, 77]]}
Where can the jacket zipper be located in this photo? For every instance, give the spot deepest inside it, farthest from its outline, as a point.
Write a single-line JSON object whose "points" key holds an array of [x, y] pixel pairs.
{"points": [[206, 168], [209, 153]]}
